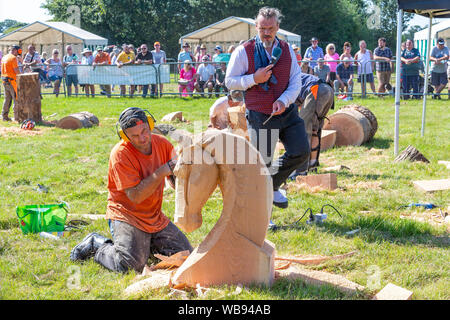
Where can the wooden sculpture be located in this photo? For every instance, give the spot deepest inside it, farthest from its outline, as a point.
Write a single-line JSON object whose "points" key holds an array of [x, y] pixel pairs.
{"points": [[235, 250]]}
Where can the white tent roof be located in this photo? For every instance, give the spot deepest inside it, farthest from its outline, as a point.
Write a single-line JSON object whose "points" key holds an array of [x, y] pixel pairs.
{"points": [[435, 29], [232, 30], [46, 33]]}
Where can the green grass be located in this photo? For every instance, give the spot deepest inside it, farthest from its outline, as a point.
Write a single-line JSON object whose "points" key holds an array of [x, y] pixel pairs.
{"points": [[73, 165]]}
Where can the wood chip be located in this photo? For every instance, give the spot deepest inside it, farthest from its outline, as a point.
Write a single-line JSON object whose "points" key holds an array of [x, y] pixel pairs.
{"points": [[172, 261], [314, 259]]}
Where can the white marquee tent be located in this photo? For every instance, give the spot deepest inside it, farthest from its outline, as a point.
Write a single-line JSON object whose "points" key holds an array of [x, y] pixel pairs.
{"points": [[230, 31], [46, 36]]}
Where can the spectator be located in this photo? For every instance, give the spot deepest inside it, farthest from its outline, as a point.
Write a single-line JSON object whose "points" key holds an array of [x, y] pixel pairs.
{"points": [[144, 57], [220, 79], [231, 49], [218, 113], [448, 77], [306, 68], [45, 70], [347, 51], [197, 52], [205, 77], [344, 78], [439, 55], [184, 55], [410, 70], [159, 57], [201, 53], [383, 55], [314, 52], [329, 57], [69, 62], [297, 54], [217, 50], [102, 58], [88, 59], [126, 58], [32, 61], [187, 77], [115, 53], [364, 58], [55, 71], [322, 71]]}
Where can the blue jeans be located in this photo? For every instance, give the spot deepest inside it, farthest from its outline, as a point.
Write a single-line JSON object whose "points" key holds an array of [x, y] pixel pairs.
{"points": [[290, 129], [410, 82]]}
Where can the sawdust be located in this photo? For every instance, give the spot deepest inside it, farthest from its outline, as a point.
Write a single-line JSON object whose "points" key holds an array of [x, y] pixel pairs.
{"points": [[435, 218], [18, 132]]}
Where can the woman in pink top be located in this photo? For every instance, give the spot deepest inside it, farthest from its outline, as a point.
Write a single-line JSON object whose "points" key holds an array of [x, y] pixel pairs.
{"points": [[332, 55], [187, 78]]}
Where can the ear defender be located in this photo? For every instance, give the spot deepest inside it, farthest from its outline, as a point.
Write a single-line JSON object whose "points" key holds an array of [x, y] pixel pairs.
{"points": [[150, 119]]}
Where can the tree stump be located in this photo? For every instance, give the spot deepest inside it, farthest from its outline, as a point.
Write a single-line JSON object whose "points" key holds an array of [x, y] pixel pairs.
{"points": [[354, 125], [411, 154], [28, 101], [78, 120]]}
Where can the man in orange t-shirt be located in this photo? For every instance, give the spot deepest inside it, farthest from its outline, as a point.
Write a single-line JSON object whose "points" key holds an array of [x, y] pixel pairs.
{"points": [[102, 58], [136, 178], [10, 69]]}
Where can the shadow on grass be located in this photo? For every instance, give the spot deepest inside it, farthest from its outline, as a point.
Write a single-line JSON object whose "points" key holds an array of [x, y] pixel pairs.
{"points": [[398, 231], [9, 223], [379, 143]]}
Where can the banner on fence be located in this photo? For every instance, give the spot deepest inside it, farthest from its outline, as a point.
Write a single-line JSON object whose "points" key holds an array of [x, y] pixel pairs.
{"points": [[126, 75]]}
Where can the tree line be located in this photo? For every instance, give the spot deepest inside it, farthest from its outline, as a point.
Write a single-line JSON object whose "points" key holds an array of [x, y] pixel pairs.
{"points": [[147, 21]]}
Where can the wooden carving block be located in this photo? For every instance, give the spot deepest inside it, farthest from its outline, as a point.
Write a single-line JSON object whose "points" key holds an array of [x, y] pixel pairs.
{"points": [[28, 101], [393, 292], [173, 116], [238, 122], [235, 250], [328, 139], [432, 185], [326, 180]]}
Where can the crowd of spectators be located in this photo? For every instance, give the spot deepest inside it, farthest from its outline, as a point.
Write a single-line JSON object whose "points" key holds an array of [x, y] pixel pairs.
{"points": [[339, 70], [198, 70]]}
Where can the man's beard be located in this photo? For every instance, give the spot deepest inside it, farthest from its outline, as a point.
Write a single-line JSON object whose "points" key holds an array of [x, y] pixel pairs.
{"points": [[267, 44]]}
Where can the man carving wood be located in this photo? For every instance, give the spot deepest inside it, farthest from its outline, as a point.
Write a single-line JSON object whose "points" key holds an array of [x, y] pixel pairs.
{"points": [[271, 83], [138, 166]]}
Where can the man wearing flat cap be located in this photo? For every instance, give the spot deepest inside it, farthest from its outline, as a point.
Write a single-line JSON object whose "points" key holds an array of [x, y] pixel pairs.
{"points": [[138, 166]]}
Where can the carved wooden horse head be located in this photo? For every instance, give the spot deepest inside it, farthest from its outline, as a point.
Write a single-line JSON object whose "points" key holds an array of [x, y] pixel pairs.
{"points": [[235, 250]]}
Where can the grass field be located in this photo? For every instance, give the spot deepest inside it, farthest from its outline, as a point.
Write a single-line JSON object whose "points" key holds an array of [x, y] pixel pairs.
{"points": [[73, 165]]}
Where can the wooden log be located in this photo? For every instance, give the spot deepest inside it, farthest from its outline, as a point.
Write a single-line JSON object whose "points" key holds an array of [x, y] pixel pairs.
{"points": [[173, 117], [411, 154], [328, 139], [78, 120], [28, 101], [237, 121], [326, 180], [354, 125]]}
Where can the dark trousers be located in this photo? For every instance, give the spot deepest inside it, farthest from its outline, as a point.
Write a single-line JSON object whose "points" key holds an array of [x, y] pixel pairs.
{"points": [[290, 129], [410, 82], [132, 247]]}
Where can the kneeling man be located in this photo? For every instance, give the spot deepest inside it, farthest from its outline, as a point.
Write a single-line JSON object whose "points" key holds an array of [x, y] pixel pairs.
{"points": [[138, 166]]}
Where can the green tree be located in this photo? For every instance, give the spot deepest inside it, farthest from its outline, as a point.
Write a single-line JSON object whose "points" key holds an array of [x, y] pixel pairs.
{"points": [[9, 25]]}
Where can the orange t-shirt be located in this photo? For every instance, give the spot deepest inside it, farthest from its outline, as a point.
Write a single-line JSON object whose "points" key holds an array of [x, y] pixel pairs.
{"points": [[9, 62], [127, 168], [102, 57]]}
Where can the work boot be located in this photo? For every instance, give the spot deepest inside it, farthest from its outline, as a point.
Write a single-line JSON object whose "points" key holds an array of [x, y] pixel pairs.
{"points": [[5, 117], [88, 247], [279, 199]]}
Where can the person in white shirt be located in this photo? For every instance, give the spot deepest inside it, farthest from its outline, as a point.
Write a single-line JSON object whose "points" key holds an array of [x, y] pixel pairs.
{"points": [[271, 88], [205, 77]]}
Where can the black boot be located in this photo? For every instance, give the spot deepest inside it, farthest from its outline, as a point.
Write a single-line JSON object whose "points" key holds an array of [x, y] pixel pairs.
{"points": [[88, 247]]}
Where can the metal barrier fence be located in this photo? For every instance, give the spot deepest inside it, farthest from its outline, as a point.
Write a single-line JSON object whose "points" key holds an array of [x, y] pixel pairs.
{"points": [[164, 79]]}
